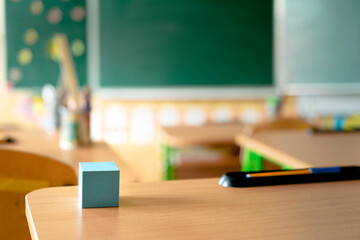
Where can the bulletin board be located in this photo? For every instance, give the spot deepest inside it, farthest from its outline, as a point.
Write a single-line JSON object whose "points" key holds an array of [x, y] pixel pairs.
{"points": [[30, 27]]}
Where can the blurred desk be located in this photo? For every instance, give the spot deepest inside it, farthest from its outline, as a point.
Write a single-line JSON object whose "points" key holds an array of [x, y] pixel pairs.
{"points": [[201, 209], [173, 138], [37, 141], [184, 136], [300, 149]]}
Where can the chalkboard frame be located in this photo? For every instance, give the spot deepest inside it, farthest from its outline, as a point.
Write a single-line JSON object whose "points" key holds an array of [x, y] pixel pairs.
{"points": [[162, 93]]}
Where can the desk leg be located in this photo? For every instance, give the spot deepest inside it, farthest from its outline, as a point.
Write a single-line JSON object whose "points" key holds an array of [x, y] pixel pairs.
{"points": [[251, 161], [257, 162], [168, 160], [283, 167], [286, 167]]}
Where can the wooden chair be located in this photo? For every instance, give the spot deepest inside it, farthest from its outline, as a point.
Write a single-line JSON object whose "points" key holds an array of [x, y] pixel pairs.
{"points": [[252, 161], [21, 173]]}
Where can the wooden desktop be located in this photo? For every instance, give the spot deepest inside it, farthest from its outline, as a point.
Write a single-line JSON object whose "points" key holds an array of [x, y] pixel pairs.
{"points": [[201, 209], [211, 134], [35, 140], [302, 149]]}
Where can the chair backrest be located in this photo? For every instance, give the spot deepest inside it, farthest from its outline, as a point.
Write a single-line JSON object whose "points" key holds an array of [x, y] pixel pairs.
{"points": [[278, 123], [21, 173]]}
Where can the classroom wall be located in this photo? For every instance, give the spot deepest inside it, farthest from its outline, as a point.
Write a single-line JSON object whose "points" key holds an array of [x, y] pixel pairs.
{"points": [[120, 116], [132, 128]]}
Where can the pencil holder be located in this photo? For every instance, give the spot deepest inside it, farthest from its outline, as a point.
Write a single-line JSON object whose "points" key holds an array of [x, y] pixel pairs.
{"points": [[98, 184]]}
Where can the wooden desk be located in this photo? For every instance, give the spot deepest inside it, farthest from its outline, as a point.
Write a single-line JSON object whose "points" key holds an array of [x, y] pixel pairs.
{"points": [[201, 209], [37, 141], [300, 149], [184, 136], [173, 138]]}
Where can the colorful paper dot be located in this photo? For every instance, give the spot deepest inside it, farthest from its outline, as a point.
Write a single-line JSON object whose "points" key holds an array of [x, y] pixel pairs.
{"points": [[15, 74], [31, 36], [77, 47], [24, 56], [77, 14], [36, 7], [54, 15]]}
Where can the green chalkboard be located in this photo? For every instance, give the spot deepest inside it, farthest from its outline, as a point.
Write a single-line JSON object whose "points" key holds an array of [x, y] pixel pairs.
{"points": [[162, 43], [30, 26]]}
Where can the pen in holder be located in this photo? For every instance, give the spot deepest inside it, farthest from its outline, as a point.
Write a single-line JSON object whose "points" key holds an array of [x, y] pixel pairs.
{"points": [[68, 128], [74, 128], [75, 117]]}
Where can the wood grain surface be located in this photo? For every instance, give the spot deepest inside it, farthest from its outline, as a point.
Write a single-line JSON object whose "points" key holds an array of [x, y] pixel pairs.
{"points": [[182, 136], [201, 209], [301, 149], [36, 140]]}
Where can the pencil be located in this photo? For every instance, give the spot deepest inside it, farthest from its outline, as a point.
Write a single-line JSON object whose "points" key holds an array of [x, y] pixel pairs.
{"points": [[310, 175]]}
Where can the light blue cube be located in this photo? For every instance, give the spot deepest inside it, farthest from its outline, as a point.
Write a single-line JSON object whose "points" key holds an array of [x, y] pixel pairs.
{"points": [[98, 184]]}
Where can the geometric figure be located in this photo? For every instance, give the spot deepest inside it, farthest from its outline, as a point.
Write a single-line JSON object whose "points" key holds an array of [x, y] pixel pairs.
{"points": [[98, 184]]}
